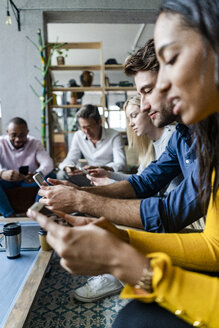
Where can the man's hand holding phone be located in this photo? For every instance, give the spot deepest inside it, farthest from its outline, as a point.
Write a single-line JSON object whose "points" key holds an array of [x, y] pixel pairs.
{"points": [[56, 216], [71, 170], [75, 170], [25, 174]]}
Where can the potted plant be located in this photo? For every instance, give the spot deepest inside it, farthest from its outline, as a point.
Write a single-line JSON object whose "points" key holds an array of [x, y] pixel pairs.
{"points": [[62, 54], [44, 97]]}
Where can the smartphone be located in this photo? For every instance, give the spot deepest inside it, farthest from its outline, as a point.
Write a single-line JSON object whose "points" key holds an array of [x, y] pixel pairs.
{"points": [[82, 169], [41, 208], [72, 167], [39, 179], [24, 169]]}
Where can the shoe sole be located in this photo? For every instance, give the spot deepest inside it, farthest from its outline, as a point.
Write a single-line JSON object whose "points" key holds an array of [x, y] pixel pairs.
{"points": [[94, 299]]}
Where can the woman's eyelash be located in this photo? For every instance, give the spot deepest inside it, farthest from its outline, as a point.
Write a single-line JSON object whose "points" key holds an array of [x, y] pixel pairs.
{"points": [[172, 60]]}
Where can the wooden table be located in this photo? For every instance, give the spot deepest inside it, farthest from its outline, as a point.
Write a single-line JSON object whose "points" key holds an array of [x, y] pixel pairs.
{"points": [[20, 280]]}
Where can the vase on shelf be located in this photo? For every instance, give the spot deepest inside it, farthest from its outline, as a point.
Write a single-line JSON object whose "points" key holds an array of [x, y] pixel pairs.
{"points": [[87, 78], [60, 60]]}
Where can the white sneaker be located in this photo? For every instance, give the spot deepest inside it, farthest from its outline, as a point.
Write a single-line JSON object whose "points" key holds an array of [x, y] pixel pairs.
{"points": [[98, 287]]}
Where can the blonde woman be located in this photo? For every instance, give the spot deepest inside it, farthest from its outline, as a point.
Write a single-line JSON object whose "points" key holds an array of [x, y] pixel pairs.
{"points": [[148, 141]]}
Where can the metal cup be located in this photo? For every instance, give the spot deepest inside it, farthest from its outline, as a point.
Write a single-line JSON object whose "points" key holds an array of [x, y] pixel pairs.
{"points": [[12, 234]]}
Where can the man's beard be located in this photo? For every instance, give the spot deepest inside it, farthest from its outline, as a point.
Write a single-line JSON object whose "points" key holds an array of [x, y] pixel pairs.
{"points": [[18, 147], [166, 117]]}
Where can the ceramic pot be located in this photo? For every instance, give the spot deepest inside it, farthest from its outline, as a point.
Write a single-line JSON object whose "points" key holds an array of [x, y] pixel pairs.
{"points": [[60, 60], [87, 78]]}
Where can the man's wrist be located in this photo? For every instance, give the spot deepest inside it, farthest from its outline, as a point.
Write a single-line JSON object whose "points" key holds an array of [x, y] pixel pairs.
{"points": [[87, 203], [83, 201]]}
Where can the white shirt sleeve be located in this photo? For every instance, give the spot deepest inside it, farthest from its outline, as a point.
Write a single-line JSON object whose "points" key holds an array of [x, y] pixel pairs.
{"points": [[119, 158], [44, 161]]}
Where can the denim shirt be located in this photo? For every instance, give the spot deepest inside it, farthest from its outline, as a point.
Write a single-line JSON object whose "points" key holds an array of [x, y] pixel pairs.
{"points": [[182, 205]]}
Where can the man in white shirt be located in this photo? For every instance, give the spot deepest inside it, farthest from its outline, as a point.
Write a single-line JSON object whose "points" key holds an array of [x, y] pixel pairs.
{"points": [[99, 146]]}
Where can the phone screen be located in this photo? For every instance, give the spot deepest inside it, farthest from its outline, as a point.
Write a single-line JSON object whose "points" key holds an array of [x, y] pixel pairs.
{"points": [[39, 179]]}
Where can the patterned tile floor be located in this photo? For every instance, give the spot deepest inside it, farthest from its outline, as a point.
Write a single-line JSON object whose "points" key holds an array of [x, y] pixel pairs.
{"points": [[55, 306]]}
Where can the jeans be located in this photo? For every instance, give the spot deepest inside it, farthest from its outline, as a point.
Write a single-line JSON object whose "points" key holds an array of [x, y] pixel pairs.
{"points": [[5, 206], [143, 315]]}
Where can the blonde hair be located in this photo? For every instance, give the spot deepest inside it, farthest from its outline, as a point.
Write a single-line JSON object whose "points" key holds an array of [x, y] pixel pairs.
{"points": [[143, 144]]}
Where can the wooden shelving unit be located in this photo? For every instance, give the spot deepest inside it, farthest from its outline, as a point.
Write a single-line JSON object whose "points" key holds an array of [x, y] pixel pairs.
{"points": [[75, 68], [103, 89]]}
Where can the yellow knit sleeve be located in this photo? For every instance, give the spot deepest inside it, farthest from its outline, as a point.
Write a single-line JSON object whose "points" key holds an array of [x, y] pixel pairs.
{"points": [[196, 251], [192, 296]]}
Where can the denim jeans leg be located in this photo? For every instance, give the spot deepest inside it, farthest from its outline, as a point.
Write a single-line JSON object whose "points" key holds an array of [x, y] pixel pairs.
{"points": [[5, 206]]}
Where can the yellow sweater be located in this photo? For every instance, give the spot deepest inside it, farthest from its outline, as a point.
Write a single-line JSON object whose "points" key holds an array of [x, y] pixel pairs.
{"points": [[192, 296]]}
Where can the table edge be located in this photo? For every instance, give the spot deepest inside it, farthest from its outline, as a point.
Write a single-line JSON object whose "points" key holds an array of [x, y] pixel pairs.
{"points": [[19, 313]]}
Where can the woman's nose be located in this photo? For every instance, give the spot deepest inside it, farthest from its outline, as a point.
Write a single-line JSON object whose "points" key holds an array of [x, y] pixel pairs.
{"points": [[131, 123], [163, 83]]}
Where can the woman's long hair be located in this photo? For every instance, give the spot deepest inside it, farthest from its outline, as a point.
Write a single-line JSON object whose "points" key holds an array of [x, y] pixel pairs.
{"points": [[143, 144], [203, 16], [208, 154]]}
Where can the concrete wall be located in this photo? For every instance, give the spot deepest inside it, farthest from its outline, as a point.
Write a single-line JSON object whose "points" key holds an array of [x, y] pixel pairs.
{"points": [[18, 56]]}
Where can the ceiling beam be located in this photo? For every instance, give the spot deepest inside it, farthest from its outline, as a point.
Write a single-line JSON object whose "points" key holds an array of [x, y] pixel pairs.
{"points": [[102, 16]]}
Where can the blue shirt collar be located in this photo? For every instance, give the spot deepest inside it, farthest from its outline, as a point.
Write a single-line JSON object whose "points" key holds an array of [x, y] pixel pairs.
{"points": [[186, 132]]}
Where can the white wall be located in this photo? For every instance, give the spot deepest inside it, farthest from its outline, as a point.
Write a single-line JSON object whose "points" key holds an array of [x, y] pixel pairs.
{"points": [[18, 56], [117, 41]]}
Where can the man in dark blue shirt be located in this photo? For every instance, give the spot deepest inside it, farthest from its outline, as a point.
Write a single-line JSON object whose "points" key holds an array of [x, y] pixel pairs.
{"points": [[117, 202], [181, 206]]}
